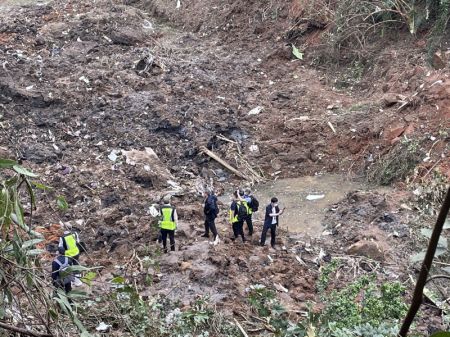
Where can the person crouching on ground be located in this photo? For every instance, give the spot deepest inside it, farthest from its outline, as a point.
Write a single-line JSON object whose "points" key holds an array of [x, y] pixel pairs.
{"points": [[59, 266], [168, 224], [211, 210], [271, 222], [69, 245]]}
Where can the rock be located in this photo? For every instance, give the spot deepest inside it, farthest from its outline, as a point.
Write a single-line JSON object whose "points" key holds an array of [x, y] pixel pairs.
{"points": [[394, 131], [110, 216], [127, 36], [255, 259], [366, 248], [185, 265], [439, 60], [389, 100], [39, 153]]}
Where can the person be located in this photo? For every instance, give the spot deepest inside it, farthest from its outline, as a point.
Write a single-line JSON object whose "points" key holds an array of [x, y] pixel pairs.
{"points": [[238, 212], [59, 265], [211, 210], [271, 221], [252, 206], [69, 244], [168, 224]]}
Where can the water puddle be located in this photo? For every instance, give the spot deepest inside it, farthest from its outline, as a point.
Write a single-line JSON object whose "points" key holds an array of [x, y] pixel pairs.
{"points": [[306, 200]]}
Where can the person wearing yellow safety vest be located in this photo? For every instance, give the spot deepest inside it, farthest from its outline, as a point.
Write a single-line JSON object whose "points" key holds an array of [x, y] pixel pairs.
{"points": [[168, 224], [238, 213], [69, 245]]}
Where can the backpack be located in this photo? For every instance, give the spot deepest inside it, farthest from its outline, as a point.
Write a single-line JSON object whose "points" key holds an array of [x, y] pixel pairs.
{"points": [[254, 204], [241, 211], [65, 277]]}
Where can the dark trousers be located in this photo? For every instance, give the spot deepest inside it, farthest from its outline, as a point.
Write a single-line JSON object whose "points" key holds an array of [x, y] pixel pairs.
{"points": [[238, 229], [171, 234], [273, 228], [68, 287], [249, 222], [210, 225]]}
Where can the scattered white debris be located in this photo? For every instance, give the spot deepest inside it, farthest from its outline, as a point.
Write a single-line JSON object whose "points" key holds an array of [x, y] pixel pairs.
{"points": [[147, 25], [30, 87], [280, 288], [331, 127], [103, 327], [178, 4], [299, 259], [113, 155], [312, 197], [84, 79], [107, 39], [326, 233], [254, 148], [153, 211], [256, 111], [270, 258]]}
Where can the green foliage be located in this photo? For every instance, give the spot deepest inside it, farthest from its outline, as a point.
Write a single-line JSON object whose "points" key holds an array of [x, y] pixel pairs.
{"points": [[441, 334], [396, 164], [361, 309], [20, 267], [355, 23], [363, 302], [158, 316], [62, 203], [326, 272], [264, 302]]}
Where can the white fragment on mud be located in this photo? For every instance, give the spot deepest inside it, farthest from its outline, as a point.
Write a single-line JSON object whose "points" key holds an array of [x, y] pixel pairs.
{"points": [[331, 127], [103, 327], [84, 79], [113, 155], [147, 25], [312, 197], [280, 288], [256, 111], [254, 148], [153, 211]]}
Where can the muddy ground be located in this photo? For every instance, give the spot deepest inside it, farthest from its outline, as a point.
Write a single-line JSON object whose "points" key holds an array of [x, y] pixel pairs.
{"points": [[112, 109]]}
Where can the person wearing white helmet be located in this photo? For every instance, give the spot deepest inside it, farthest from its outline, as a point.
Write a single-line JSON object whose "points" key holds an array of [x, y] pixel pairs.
{"points": [[168, 224]]}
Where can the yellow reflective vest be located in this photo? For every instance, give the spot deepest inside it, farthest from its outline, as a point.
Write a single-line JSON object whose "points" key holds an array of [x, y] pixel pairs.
{"points": [[71, 245], [167, 218]]}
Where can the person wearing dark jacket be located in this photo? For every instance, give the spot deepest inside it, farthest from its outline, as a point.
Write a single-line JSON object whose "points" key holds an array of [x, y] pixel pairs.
{"points": [[60, 264], [236, 219], [211, 210], [271, 222]]}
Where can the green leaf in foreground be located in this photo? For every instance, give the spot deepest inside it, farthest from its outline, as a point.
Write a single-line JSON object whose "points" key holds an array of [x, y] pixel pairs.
{"points": [[7, 163], [118, 280], [297, 53], [441, 334], [41, 186], [62, 203], [22, 170]]}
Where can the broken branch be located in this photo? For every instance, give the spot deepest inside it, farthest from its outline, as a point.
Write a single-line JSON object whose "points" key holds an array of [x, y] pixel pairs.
{"points": [[223, 162], [23, 331], [241, 328]]}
